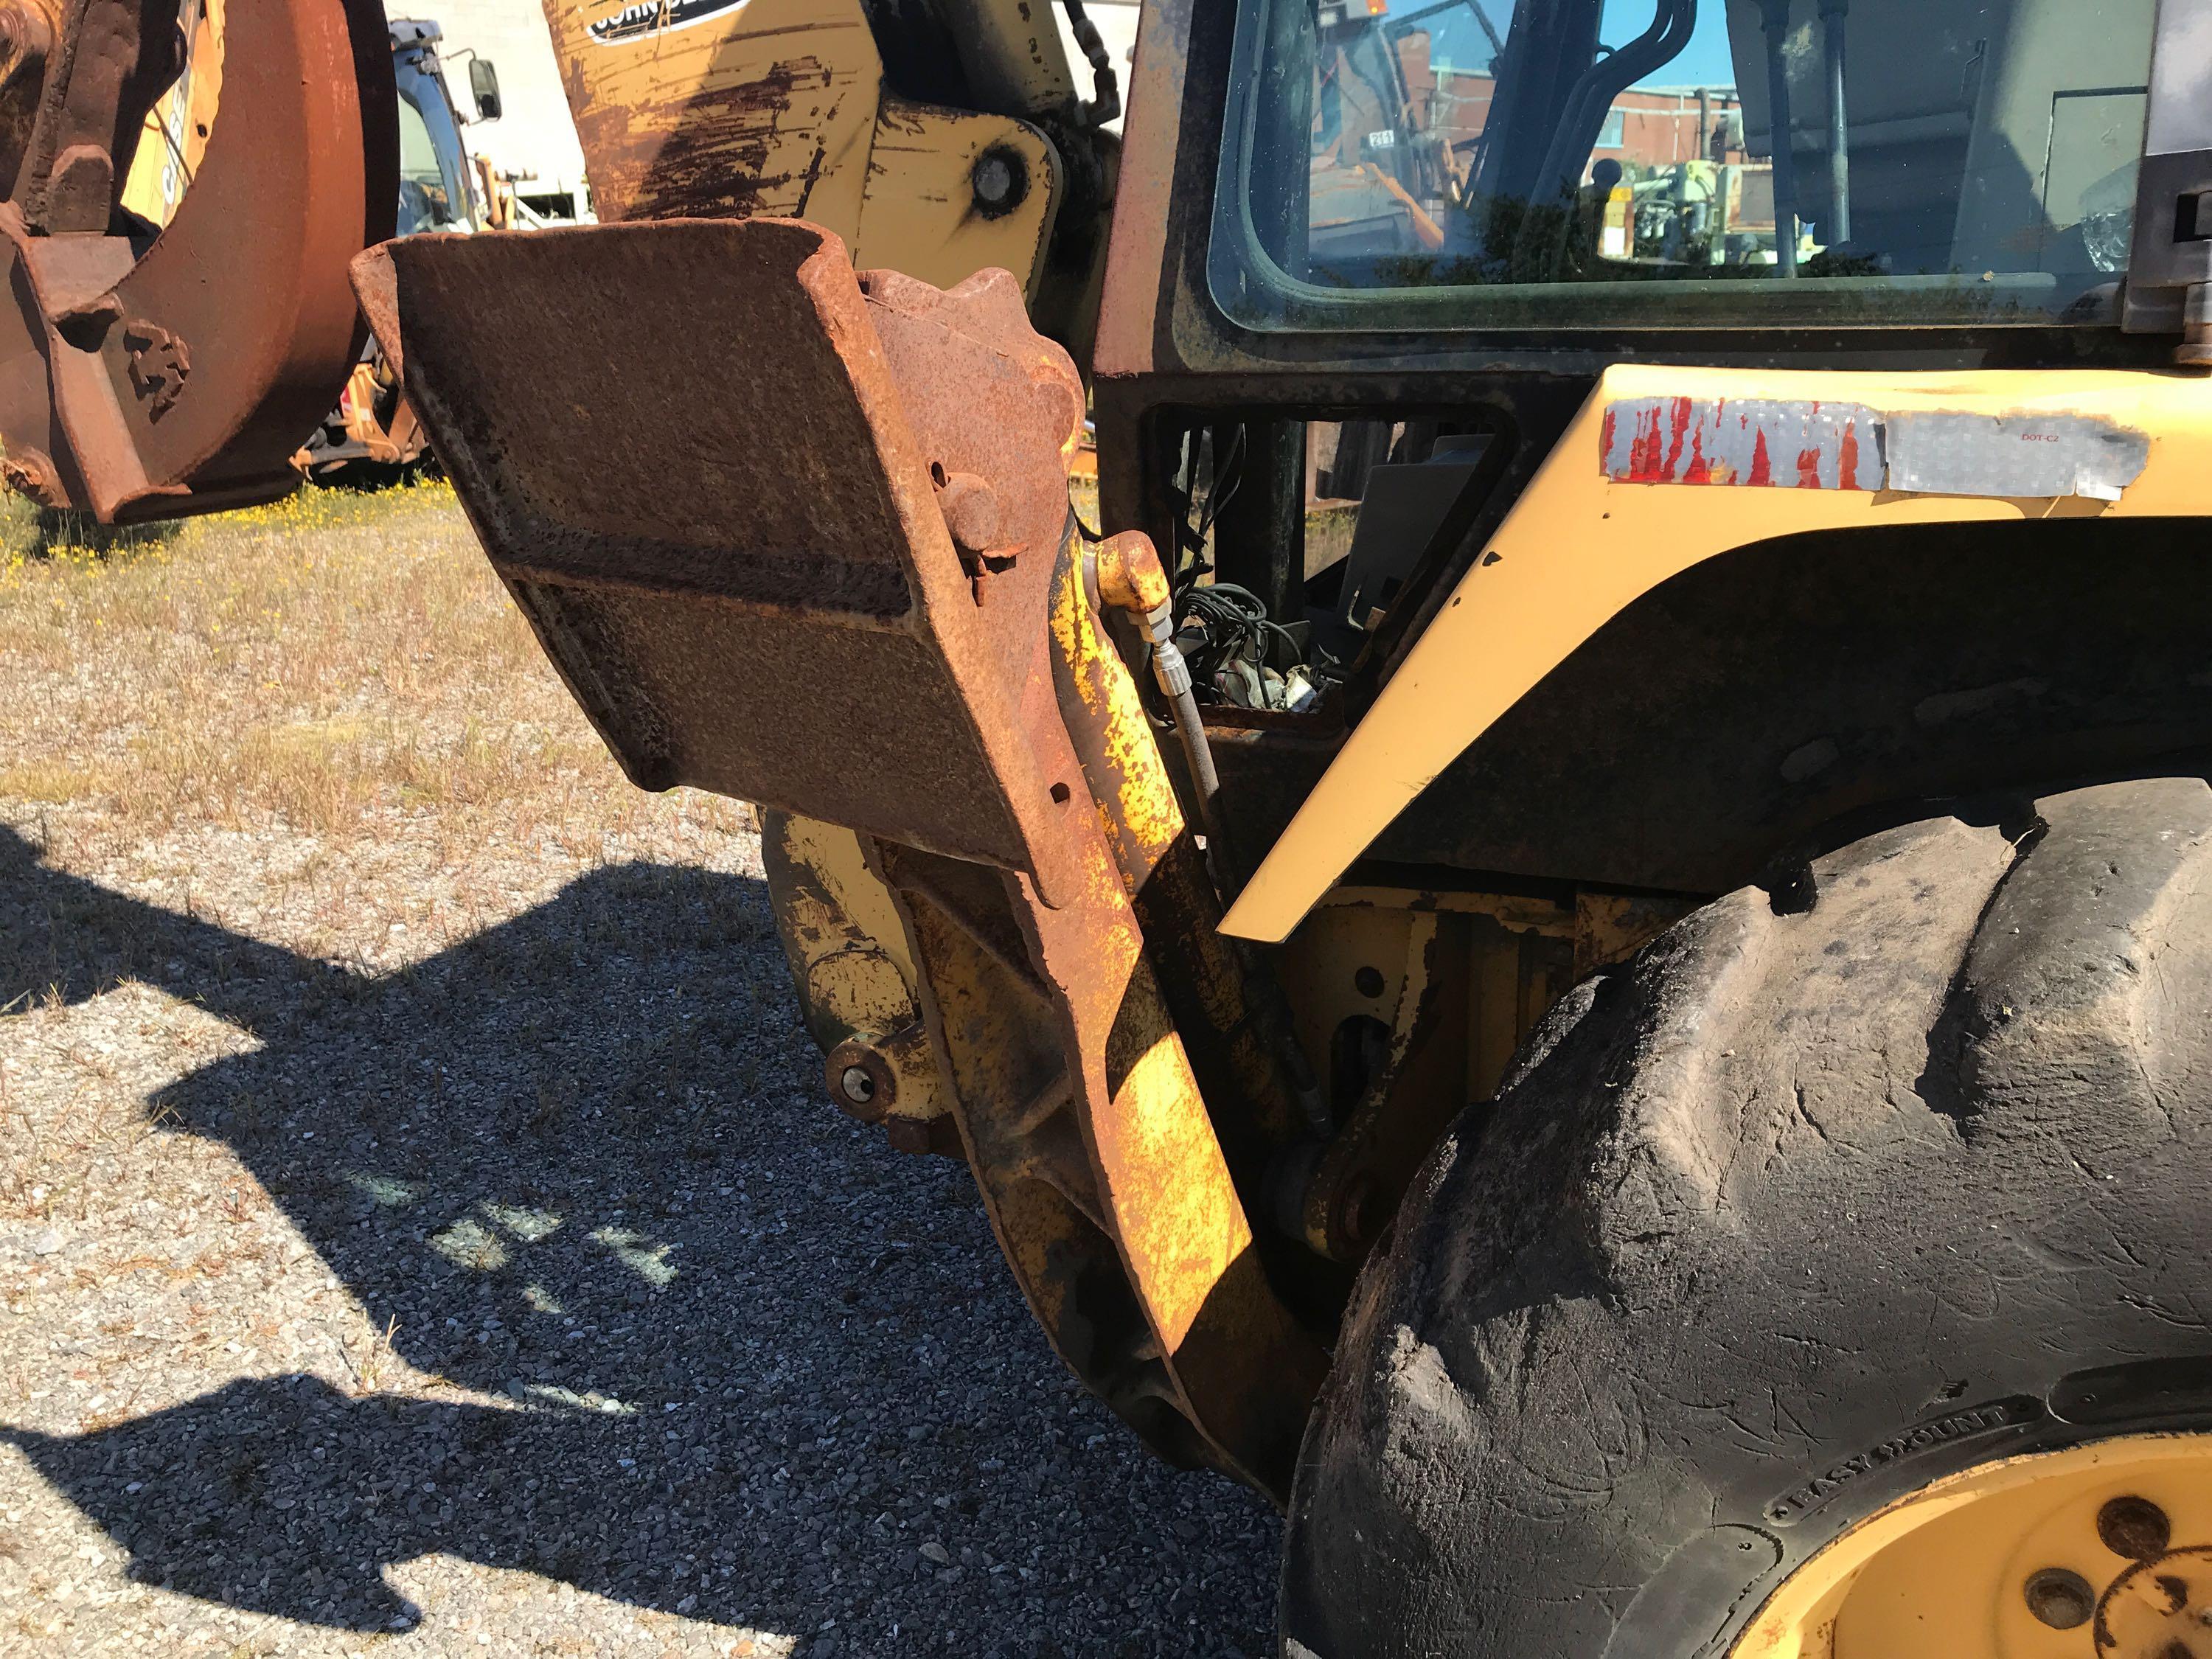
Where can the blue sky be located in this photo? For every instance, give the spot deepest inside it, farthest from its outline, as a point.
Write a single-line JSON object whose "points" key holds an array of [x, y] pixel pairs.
{"points": [[1703, 63]]}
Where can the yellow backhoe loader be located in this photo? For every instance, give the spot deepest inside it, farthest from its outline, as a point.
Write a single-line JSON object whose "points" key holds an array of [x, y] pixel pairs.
{"points": [[1629, 1042]]}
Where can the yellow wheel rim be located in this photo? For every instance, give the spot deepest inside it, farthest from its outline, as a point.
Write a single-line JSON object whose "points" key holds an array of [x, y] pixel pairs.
{"points": [[2099, 1552]]}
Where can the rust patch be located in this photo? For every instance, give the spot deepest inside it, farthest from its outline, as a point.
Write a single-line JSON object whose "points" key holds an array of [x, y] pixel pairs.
{"points": [[704, 154], [103, 401]]}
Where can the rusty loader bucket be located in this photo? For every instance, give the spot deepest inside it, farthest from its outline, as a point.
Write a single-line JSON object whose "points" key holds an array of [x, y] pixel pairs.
{"points": [[801, 536]]}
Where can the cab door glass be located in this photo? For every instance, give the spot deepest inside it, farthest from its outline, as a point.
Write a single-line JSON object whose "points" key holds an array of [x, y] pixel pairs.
{"points": [[434, 187], [1583, 161]]}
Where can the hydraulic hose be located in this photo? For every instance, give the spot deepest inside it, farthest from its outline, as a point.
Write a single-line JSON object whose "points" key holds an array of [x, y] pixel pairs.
{"points": [[1172, 675], [1107, 105], [1124, 572]]}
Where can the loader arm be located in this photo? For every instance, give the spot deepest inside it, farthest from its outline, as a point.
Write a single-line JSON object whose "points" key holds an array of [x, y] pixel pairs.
{"points": [[973, 820], [901, 545]]}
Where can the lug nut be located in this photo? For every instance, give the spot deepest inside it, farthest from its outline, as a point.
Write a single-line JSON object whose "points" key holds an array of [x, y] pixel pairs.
{"points": [[2135, 1528], [2061, 1599]]}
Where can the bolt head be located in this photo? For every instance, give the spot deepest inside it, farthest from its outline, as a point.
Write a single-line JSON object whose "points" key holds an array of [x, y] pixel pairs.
{"points": [[998, 181], [2059, 1598], [972, 512], [994, 181], [859, 1083]]}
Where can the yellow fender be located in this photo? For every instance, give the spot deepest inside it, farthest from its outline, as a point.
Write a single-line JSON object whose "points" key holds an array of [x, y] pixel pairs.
{"points": [[1587, 538]]}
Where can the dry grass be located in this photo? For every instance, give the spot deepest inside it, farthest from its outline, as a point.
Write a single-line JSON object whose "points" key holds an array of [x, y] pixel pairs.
{"points": [[421, 1227], [321, 663], [321, 729]]}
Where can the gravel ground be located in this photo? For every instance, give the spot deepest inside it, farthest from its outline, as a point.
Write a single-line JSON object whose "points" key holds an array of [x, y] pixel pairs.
{"points": [[450, 1251]]}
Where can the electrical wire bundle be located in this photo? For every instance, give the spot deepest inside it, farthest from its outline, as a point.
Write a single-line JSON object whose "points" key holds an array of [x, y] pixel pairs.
{"points": [[1191, 561], [1234, 640]]}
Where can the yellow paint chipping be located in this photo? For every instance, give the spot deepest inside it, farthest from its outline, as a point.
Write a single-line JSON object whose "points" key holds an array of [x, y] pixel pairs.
{"points": [[1181, 1232]]}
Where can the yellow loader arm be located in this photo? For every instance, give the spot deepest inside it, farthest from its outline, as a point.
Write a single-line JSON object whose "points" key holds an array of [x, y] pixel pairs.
{"points": [[854, 594]]}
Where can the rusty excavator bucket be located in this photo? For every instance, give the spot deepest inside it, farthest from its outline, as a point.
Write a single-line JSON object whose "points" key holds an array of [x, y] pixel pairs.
{"points": [[801, 536], [724, 483], [149, 375]]}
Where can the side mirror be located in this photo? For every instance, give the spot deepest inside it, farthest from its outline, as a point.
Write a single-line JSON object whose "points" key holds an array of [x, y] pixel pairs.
{"points": [[484, 83]]}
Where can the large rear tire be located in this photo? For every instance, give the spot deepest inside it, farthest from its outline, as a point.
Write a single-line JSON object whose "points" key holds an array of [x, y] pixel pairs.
{"points": [[1827, 1197]]}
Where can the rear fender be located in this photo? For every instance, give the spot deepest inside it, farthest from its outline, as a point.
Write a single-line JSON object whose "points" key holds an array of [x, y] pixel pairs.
{"points": [[1666, 467]]}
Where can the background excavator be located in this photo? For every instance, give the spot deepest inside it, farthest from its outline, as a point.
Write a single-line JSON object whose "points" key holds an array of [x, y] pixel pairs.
{"points": [[1655, 1093], [374, 431], [441, 187]]}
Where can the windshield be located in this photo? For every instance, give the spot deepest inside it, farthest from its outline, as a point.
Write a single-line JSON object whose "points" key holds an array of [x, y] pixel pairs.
{"points": [[433, 195], [1586, 163]]}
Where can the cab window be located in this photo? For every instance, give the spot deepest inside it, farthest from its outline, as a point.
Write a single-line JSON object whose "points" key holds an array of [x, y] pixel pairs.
{"points": [[425, 194], [1679, 163]]}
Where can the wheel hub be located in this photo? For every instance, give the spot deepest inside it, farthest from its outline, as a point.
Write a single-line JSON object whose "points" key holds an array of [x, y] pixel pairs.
{"points": [[2159, 1609], [2099, 1552]]}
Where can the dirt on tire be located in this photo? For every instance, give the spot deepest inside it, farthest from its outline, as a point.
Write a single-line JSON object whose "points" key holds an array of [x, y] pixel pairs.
{"points": [[1812, 1203]]}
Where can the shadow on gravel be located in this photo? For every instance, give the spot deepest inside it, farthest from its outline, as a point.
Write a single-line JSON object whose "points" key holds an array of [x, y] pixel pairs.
{"points": [[61, 936], [757, 1362]]}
